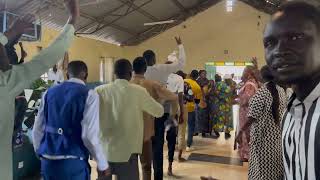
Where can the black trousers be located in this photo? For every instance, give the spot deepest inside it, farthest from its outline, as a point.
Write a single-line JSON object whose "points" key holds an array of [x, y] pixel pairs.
{"points": [[157, 145]]}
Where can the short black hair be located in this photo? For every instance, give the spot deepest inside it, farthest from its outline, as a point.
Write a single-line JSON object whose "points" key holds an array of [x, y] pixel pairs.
{"points": [[194, 74], [139, 65], [217, 78], [182, 74], [75, 68], [122, 68], [149, 56], [304, 9], [202, 71], [266, 73]]}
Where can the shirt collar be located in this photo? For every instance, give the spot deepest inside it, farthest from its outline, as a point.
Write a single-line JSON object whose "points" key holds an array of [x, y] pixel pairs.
{"points": [[309, 99], [138, 76], [76, 80], [121, 82]]}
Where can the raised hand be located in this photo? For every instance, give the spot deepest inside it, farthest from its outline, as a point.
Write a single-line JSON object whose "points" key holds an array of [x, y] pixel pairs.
{"points": [[73, 8], [23, 24], [20, 26], [178, 40], [23, 52]]}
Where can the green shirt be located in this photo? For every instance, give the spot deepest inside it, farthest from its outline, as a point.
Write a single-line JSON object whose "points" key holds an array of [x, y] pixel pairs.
{"points": [[14, 81], [121, 118]]}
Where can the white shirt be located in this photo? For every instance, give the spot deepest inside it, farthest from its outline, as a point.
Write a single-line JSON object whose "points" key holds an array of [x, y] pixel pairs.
{"points": [[90, 129], [57, 77], [175, 83], [160, 72]]}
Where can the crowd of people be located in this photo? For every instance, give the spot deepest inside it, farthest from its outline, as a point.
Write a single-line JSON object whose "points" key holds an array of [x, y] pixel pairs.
{"points": [[129, 119]]}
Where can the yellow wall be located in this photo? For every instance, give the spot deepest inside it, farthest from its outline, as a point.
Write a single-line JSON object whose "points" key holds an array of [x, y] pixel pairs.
{"points": [[84, 49], [209, 33]]}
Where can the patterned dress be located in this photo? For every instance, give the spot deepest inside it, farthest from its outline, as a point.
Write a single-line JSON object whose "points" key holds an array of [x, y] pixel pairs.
{"points": [[246, 92], [223, 108], [265, 160]]}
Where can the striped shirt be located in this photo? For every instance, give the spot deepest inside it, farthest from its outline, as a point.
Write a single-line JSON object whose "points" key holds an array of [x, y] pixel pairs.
{"points": [[301, 138]]}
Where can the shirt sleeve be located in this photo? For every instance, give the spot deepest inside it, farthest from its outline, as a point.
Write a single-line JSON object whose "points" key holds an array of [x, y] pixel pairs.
{"points": [[24, 74], [257, 104], [39, 125], [150, 105], [164, 94], [91, 130], [176, 66]]}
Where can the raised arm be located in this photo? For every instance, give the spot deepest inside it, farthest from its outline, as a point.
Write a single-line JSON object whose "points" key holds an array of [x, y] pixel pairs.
{"points": [[178, 65], [24, 74]]}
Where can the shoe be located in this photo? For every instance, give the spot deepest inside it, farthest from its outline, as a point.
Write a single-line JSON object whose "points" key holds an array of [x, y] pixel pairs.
{"points": [[207, 178], [227, 135], [216, 134], [189, 149]]}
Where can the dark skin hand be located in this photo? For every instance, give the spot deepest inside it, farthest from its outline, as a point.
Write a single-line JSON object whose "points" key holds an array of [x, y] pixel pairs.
{"points": [[23, 53], [24, 24], [245, 127], [178, 40], [291, 44]]}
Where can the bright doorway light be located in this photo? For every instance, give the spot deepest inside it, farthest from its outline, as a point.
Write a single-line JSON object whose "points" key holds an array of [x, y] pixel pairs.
{"points": [[229, 5]]}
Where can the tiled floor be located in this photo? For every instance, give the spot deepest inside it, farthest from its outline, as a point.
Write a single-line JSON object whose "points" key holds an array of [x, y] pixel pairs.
{"points": [[220, 149]]}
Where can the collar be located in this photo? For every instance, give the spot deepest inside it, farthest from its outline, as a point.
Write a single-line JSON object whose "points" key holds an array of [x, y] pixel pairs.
{"points": [[138, 76], [76, 80], [121, 82], [314, 95]]}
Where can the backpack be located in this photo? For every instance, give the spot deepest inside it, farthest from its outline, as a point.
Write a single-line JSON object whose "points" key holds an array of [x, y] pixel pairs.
{"points": [[188, 93]]}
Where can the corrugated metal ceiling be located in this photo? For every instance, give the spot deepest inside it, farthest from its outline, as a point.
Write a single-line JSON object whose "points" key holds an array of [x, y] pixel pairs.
{"points": [[121, 21]]}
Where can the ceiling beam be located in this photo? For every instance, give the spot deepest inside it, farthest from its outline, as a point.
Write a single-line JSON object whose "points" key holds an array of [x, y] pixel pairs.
{"points": [[140, 10], [120, 28], [84, 15], [179, 5], [101, 17]]}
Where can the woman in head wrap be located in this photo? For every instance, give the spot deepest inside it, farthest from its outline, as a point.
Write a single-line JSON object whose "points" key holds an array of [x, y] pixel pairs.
{"points": [[221, 109], [249, 88]]}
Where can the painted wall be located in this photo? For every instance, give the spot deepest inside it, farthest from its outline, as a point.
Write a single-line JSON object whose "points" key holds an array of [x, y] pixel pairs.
{"points": [[209, 33], [84, 49]]}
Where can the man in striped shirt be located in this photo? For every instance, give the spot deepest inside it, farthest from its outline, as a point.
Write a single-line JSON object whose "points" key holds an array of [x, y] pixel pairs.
{"points": [[292, 48]]}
